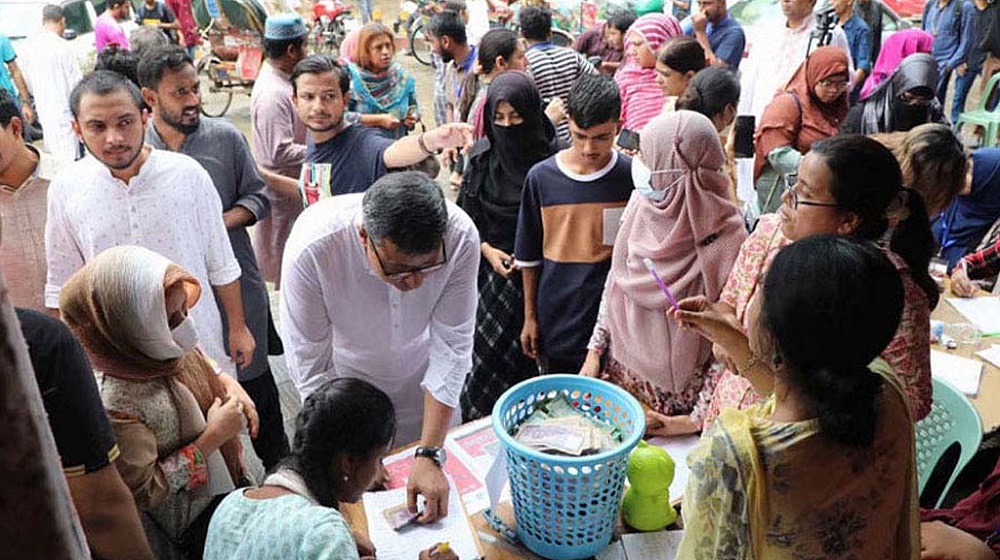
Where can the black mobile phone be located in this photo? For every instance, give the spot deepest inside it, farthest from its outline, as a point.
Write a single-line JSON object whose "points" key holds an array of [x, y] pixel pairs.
{"points": [[628, 139], [743, 130]]}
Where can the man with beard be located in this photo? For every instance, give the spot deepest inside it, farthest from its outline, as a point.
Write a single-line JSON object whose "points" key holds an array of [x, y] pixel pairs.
{"points": [[126, 193], [447, 35], [358, 155], [170, 87], [107, 30]]}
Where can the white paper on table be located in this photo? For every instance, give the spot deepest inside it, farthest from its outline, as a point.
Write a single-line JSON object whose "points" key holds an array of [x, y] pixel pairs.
{"points": [[678, 448], [984, 312], [614, 551], [991, 354], [406, 545], [658, 545], [496, 480], [961, 372]]}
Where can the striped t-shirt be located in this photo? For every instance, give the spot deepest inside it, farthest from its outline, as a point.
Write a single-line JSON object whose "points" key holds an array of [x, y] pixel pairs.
{"points": [[555, 71], [567, 225]]}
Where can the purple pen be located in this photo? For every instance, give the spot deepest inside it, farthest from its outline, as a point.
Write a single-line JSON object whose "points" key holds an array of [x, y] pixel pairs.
{"points": [[662, 284]]}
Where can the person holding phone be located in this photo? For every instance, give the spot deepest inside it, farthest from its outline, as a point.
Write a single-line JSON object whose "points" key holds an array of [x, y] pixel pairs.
{"points": [[518, 135], [381, 90]]}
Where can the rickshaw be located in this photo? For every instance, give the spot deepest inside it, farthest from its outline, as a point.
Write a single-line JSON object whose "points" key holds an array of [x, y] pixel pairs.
{"points": [[232, 29]]}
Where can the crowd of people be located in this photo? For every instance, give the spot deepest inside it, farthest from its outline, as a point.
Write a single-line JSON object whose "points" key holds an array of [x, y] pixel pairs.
{"points": [[139, 245]]}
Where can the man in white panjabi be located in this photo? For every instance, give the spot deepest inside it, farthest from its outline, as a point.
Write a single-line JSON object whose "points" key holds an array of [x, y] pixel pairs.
{"points": [[52, 70], [127, 193], [382, 286]]}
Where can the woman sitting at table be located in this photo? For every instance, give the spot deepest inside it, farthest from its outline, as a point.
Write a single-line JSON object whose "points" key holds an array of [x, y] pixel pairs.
{"points": [[381, 90], [824, 467], [980, 267], [933, 161], [811, 108], [344, 430], [964, 223], [845, 186], [175, 418]]}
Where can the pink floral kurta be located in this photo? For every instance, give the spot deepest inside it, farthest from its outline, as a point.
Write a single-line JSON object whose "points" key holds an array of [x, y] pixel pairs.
{"points": [[908, 353]]}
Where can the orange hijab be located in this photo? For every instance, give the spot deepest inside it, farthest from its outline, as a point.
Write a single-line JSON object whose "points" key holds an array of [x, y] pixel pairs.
{"points": [[796, 117]]}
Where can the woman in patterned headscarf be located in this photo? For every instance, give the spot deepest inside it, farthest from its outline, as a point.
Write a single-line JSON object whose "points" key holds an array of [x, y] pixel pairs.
{"points": [[175, 417], [642, 96]]}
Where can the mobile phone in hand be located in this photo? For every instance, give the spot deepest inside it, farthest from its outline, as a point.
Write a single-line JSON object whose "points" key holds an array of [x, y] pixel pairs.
{"points": [[743, 129], [628, 140]]}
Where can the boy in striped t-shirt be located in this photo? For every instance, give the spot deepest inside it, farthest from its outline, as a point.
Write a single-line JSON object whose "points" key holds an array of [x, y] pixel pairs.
{"points": [[570, 210], [554, 69]]}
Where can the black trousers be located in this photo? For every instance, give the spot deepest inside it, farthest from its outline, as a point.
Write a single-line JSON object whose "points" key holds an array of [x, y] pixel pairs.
{"points": [[271, 444]]}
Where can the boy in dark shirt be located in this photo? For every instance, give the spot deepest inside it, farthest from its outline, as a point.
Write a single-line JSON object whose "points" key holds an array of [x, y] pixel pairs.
{"points": [[570, 210]]}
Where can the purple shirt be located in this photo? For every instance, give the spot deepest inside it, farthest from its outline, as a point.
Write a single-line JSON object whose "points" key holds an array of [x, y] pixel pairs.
{"points": [[107, 31]]}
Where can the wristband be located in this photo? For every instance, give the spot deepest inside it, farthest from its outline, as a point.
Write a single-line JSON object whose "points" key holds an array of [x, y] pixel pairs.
{"points": [[423, 147]]}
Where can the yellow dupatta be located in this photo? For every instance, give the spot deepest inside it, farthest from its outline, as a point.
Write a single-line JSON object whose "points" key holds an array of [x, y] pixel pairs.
{"points": [[767, 490]]}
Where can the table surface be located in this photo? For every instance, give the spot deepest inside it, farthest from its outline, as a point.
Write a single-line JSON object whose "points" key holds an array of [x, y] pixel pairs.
{"points": [[987, 402], [493, 547]]}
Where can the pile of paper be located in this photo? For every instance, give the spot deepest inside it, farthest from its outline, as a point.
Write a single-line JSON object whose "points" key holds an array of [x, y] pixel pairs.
{"points": [[556, 427]]}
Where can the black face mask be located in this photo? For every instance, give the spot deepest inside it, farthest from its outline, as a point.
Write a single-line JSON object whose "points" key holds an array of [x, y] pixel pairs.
{"points": [[905, 116]]}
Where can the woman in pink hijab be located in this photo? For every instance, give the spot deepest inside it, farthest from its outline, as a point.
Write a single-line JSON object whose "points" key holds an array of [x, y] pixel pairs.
{"points": [[642, 96], [897, 47], [680, 219]]}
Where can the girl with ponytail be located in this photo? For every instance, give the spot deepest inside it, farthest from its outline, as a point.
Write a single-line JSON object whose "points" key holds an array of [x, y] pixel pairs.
{"points": [[824, 467]]}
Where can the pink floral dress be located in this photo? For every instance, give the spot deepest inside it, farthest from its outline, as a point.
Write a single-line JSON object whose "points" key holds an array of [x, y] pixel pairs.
{"points": [[908, 353]]}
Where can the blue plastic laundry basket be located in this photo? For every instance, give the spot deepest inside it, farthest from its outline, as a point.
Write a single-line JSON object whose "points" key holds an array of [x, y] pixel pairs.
{"points": [[566, 507]]}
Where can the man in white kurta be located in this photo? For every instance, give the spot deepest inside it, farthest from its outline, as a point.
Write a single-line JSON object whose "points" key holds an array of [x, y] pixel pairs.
{"points": [[125, 193], [52, 70], [171, 207], [345, 313]]}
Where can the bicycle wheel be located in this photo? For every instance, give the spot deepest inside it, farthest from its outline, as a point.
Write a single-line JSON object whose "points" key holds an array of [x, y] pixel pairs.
{"points": [[420, 45], [215, 100]]}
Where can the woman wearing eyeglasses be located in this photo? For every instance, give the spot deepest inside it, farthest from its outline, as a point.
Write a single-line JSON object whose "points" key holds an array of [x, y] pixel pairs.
{"points": [[903, 101], [811, 107], [845, 185]]}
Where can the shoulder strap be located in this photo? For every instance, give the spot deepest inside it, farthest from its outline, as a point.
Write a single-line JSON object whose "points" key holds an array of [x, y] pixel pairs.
{"points": [[798, 104]]}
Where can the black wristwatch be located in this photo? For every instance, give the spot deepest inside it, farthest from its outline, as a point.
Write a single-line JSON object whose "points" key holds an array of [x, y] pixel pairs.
{"points": [[435, 454]]}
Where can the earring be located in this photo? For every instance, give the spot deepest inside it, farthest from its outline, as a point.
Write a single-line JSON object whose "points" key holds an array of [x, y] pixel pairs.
{"points": [[776, 359], [346, 478]]}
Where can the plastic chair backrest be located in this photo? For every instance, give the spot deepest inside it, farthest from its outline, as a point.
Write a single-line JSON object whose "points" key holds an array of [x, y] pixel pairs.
{"points": [[952, 420], [988, 92]]}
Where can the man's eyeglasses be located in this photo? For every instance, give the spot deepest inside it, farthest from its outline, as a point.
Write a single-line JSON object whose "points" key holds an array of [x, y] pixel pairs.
{"points": [[403, 274], [791, 180]]}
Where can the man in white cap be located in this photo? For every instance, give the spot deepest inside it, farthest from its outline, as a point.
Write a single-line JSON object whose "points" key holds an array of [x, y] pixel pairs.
{"points": [[279, 138]]}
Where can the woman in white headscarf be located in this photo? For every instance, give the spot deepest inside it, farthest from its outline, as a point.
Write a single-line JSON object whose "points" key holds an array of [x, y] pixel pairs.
{"points": [[175, 418]]}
